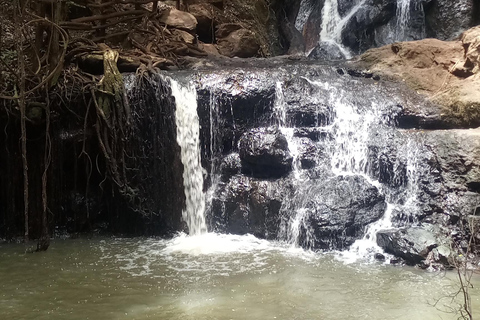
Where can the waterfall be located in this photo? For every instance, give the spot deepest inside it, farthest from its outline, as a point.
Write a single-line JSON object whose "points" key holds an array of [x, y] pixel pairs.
{"points": [[333, 24], [350, 130], [402, 17], [188, 138]]}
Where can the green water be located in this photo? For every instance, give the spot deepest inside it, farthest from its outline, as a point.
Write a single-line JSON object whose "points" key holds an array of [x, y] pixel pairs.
{"points": [[211, 277]]}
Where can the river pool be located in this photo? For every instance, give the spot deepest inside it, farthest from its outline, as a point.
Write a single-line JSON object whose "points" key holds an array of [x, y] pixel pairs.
{"points": [[212, 277]]}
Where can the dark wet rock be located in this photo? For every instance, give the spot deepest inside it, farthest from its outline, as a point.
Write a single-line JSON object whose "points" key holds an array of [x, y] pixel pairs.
{"points": [[379, 257], [313, 133], [360, 30], [239, 102], [446, 19], [457, 153], [396, 261], [415, 244], [302, 106], [337, 210], [326, 51], [264, 153], [230, 166], [308, 153], [248, 205]]}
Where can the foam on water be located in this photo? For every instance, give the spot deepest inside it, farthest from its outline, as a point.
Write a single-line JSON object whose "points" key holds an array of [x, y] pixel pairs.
{"points": [[215, 244]]}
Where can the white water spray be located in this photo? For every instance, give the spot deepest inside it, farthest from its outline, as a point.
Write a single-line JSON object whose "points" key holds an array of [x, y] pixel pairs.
{"points": [[188, 138]]}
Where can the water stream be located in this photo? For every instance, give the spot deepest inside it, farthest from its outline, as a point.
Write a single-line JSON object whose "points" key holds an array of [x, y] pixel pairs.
{"points": [[188, 138]]}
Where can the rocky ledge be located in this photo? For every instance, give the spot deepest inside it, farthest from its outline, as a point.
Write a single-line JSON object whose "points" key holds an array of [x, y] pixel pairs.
{"points": [[446, 72]]}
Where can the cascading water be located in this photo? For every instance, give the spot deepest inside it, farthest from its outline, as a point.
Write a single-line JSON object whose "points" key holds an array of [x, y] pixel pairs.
{"points": [[333, 24], [403, 15], [188, 138], [406, 24], [351, 129]]}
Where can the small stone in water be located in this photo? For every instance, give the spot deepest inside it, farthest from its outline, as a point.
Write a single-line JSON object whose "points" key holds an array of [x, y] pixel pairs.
{"points": [[379, 256]]}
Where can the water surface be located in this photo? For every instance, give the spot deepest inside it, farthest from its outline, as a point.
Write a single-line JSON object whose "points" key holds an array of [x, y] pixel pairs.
{"points": [[210, 277]]}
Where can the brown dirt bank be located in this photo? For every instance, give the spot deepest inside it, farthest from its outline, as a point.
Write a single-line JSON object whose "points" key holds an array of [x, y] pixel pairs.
{"points": [[446, 72]]}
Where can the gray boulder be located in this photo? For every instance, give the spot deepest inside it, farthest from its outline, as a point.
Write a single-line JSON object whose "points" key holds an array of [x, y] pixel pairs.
{"points": [[416, 245]]}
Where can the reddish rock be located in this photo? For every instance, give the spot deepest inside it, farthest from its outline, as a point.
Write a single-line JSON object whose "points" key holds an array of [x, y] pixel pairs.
{"points": [[446, 72]]}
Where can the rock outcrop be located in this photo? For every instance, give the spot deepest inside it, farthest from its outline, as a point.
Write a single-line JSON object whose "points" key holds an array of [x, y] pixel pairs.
{"points": [[446, 72], [423, 245]]}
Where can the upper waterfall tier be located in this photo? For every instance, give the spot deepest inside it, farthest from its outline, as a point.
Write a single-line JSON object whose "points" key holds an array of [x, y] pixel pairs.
{"points": [[338, 29]]}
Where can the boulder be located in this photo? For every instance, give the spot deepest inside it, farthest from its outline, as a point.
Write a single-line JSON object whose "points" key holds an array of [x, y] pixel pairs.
{"points": [[326, 51], [184, 36], [240, 43], [416, 244], [264, 153], [225, 29], [209, 48], [178, 19], [471, 62]]}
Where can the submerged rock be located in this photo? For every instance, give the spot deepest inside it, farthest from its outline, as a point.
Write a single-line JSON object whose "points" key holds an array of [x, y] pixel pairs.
{"points": [[264, 153]]}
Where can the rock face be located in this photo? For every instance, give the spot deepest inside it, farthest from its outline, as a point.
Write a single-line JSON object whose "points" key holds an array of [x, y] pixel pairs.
{"points": [[447, 19], [297, 153], [336, 211], [416, 245], [264, 153]]}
